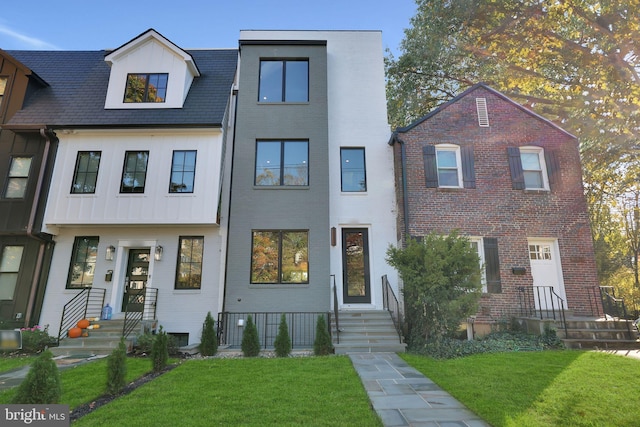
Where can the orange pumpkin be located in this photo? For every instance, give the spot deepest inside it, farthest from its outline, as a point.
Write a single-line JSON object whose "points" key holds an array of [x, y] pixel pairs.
{"points": [[74, 332], [82, 324]]}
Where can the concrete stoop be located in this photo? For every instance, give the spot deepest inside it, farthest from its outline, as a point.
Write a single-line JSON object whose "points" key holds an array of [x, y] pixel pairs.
{"points": [[100, 341], [366, 332]]}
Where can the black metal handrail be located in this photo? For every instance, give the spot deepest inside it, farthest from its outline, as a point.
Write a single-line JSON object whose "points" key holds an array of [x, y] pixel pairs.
{"points": [[595, 302], [148, 312], [614, 307], [391, 304], [335, 310], [85, 304], [542, 302], [301, 326]]}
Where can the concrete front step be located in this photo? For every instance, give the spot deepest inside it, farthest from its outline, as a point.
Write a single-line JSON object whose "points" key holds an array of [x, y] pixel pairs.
{"points": [[601, 344], [100, 341], [366, 331]]}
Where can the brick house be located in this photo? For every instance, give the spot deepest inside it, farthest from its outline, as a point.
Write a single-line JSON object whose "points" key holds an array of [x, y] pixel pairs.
{"points": [[511, 181]]}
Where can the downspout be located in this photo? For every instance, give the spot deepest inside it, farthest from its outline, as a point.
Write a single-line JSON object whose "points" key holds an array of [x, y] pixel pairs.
{"points": [[47, 134], [405, 197]]}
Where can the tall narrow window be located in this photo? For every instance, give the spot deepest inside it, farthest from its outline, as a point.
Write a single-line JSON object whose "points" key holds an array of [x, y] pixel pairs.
{"points": [[183, 172], [86, 172], [146, 88], [353, 171], [83, 262], [448, 161], [189, 271], [134, 172], [282, 163], [3, 88], [18, 178], [9, 269], [280, 256], [284, 81], [532, 168]]}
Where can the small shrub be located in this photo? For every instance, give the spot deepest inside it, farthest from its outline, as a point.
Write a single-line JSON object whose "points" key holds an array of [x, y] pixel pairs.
{"points": [[144, 344], [42, 385], [117, 369], [322, 344], [36, 339], [250, 342], [283, 342], [159, 351], [209, 340]]}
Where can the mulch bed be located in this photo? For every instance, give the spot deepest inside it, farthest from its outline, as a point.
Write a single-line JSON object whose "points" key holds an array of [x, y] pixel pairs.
{"points": [[87, 408]]}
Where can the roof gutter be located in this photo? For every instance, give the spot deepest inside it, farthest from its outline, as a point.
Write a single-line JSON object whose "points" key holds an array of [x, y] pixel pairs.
{"points": [[403, 161]]}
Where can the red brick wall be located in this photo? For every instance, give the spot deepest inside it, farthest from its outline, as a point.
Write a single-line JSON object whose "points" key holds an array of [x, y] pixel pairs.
{"points": [[493, 208]]}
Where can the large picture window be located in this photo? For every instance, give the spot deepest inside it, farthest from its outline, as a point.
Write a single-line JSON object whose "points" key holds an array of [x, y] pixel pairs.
{"points": [[183, 172], [282, 163], [353, 170], [189, 271], [284, 81], [134, 172], [146, 88], [280, 256], [86, 172], [18, 178], [83, 262], [9, 269]]}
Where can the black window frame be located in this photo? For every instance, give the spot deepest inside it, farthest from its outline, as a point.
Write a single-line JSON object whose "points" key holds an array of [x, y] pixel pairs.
{"points": [[74, 259], [283, 95], [77, 173], [145, 94], [280, 279], [14, 274], [174, 187], [364, 169], [282, 166], [182, 261], [10, 178], [134, 189]]}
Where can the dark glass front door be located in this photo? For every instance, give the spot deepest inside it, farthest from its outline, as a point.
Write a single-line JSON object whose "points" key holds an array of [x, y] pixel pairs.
{"points": [[355, 266], [136, 280]]}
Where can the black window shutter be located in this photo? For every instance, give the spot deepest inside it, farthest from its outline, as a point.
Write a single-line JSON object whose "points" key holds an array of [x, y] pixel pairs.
{"points": [[553, 167], [430, 167], [492, 265], [468, 171], [515, 165]]}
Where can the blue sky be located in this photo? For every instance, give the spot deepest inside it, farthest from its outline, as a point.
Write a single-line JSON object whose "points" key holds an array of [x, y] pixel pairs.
{"points": [[100, 24]]}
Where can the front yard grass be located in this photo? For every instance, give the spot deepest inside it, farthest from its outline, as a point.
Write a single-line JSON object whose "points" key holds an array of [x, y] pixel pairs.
{"points": [[8, 363], [559, 388]]}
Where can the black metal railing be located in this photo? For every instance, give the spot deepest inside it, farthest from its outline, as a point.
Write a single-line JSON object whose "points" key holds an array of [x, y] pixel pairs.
{"points": [[542, 302], [301, 325], [335, 311], [86, 304], [391, 304], [614, 307], [595, 302], [148, 297]]}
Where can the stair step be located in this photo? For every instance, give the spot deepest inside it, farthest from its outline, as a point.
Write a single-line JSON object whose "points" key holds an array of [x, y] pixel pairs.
{"points": [[601, 343], [366, 331]]}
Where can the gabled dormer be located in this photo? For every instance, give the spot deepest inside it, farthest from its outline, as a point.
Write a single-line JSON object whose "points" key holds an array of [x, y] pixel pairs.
{"points": [[149, 72]]}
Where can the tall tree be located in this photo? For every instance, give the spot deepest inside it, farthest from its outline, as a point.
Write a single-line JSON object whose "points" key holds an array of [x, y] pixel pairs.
{"points": [[576, 62]]}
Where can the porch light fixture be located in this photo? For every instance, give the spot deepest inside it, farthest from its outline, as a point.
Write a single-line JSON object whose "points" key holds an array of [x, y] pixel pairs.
{"points": [[240, 323], [158, 255], [109, 254]]}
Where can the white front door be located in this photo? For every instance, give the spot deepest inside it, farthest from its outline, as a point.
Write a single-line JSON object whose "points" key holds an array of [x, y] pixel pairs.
{"points": [[546, 271]]}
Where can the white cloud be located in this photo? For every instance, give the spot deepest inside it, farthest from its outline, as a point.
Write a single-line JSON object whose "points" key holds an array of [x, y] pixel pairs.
{"points": [[22, 41]]}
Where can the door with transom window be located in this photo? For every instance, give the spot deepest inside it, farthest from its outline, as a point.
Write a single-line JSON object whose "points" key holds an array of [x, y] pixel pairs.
{"points": [[546, 271], [356, 287]]}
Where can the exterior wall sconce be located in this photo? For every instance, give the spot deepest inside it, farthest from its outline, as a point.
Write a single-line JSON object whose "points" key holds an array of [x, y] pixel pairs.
{"points": [[109, 254], [240, 323], [158, 255]]}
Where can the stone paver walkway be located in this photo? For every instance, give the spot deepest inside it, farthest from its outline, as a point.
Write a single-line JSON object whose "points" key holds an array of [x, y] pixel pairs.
{"points": [[402, 396]]}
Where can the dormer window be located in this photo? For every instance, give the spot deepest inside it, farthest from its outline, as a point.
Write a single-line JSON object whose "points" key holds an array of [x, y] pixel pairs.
{"points": [[146, 87]]}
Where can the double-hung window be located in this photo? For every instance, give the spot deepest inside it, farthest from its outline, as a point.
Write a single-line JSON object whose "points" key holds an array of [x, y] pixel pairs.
{"points": [[449, 169], [10, 260], [449, 166], [134, 172], [353, 170], [280, 256], [284, 80], [280, 163], [18, 177], [146, 87], [86, 172], [533, 168], [83, 262], [189, 271], [183, 172]]}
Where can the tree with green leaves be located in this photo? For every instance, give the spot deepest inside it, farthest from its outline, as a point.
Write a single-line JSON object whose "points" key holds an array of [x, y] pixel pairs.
{"points": [[209, 339], [282, 342], [441, 284], [574, 62], [250, 344], [117, 369], [160, 351], [42, 384], [322, 344]]}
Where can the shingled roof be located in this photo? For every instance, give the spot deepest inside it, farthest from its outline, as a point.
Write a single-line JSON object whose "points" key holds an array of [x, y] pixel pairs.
{"points": [[78, 81]]}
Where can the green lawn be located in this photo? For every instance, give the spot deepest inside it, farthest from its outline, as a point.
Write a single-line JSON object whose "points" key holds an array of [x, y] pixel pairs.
{"points": [[8, 363], [250, 392], [550, 388]]}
